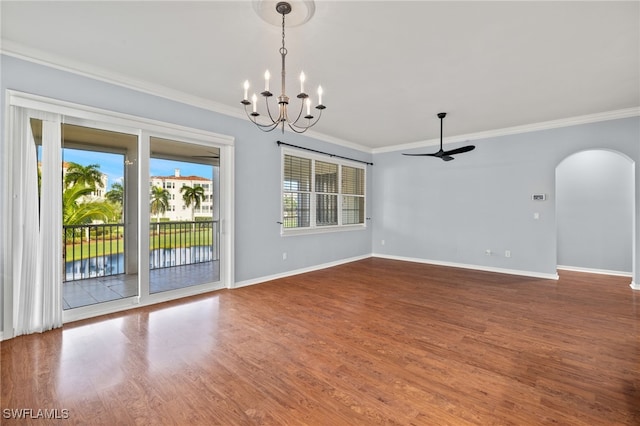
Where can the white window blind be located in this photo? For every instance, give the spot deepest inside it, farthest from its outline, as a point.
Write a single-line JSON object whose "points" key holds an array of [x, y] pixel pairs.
{"points": [[352, 195], [326, 177], [296, 198], [321, 194]]}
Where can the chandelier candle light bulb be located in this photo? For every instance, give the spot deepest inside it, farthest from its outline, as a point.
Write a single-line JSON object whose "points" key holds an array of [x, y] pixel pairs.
{"points": [[282, 115]]}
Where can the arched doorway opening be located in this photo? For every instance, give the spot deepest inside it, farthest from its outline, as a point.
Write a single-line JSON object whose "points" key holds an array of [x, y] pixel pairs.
{"points": [[595, 212]]}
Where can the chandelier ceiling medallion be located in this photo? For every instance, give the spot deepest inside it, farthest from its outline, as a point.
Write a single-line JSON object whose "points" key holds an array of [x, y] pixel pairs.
{"points": [[298, 123]]}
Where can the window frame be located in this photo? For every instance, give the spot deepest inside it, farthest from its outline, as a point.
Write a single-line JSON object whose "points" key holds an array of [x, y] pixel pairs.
{"points": [[313, 228]]}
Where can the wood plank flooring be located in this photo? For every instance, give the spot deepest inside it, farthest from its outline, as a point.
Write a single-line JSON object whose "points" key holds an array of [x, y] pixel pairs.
{"points": [[371, 342]]}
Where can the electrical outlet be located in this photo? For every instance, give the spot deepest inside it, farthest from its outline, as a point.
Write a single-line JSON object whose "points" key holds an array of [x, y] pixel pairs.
{"points": [[507, 253], [487, 252], [284, 256], [382, 242]]}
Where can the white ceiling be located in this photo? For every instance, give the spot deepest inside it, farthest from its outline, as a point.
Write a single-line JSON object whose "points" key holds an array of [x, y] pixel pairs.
{"points": [[387, 67]]}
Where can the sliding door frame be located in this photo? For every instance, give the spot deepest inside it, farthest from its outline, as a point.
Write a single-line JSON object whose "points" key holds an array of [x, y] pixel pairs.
{"points": [[144, 129]]}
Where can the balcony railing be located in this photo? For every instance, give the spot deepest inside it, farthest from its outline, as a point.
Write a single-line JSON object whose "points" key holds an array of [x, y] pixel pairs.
{"points": [[95, 250], [182, 243], [98, 250]]}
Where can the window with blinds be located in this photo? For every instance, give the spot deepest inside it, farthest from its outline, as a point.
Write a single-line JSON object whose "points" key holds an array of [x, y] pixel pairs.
{"points": [[321, 194], [296, 195], [352, 195]]}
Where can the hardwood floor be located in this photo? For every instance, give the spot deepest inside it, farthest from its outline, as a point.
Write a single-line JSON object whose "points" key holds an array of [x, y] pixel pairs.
{"points": [[370, 342]]}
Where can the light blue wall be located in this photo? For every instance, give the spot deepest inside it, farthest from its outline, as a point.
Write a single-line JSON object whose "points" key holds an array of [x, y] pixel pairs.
{"points": [[428, 209], [423, 208], [258, 244], [595, 211]]}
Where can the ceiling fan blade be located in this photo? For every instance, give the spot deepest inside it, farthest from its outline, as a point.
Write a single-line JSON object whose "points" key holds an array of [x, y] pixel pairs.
{"points": [[445, 155], [423, 155], [460, 150]]}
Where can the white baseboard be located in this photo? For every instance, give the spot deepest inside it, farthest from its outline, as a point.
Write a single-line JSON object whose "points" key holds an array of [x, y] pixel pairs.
{"points": [[634, 286], [467, 266], [595, 271], [1, 336], [298, 271]]}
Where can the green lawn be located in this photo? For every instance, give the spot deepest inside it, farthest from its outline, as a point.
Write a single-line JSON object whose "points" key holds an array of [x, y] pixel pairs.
{"points": [[182, 238], [99, 246]]}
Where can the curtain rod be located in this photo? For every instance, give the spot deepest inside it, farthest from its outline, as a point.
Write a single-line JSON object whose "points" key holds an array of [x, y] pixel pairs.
{"points": [[324, 153]]}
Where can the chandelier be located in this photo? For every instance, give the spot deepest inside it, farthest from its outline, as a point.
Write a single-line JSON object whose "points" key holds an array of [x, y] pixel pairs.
{"points": [[301, 122]]}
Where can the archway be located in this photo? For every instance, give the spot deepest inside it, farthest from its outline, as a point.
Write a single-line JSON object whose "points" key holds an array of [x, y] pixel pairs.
{"points": [[595, 212]]}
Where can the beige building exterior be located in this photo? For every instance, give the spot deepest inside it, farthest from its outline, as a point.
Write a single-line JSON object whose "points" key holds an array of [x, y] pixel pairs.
{"points": [[177, 210]]}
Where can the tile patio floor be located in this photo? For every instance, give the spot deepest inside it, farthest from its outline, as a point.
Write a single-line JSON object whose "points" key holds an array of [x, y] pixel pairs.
{"points": [[103, 289]]}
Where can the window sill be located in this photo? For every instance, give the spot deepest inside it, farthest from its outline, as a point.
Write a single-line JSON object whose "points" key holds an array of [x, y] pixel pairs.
{"points": [[292, 232]]}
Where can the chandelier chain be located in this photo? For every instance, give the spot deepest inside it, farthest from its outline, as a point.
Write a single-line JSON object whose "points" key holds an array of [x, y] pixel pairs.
{"points": [[283, 53], [283, 31], [283, 50], [283, 116]]}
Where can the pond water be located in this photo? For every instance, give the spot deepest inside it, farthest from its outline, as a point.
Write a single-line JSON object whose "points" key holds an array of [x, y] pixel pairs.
{"points": [[113, 264]]}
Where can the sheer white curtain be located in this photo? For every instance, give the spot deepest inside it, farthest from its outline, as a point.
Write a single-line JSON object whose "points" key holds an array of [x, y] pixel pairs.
{"points": [[37, 228]]}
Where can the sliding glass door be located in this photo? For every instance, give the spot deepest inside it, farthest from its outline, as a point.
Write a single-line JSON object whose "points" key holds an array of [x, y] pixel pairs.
{"points": [[184, 209], [106, 211], [99, 225]]}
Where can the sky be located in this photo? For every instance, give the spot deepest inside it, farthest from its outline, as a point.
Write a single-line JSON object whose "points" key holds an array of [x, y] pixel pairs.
{"points": [[113, 165]]}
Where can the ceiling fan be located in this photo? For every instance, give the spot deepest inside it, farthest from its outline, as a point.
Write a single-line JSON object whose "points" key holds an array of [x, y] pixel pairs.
{"points": [[445, 155]]}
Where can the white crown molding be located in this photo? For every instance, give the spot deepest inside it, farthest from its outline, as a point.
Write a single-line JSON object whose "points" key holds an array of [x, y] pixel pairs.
{"points": [[338, 141], [50, 60], [20, 51], [25, 53], [534, 127], [468, 266]]}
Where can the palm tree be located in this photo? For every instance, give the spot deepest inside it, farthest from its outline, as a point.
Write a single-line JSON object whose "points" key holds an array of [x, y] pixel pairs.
{"points": [[84, 175], [159, 201], [193, 195], [78, 212], [116, 194], [39, 181]]}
